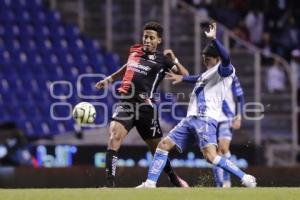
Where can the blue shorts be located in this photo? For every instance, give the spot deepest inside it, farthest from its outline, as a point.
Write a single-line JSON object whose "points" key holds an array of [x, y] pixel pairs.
{"points": [[192, 129], [224, 130]]}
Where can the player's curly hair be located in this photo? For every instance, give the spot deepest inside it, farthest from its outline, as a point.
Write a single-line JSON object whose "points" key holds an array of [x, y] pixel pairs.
{"points": [[155, 26]]}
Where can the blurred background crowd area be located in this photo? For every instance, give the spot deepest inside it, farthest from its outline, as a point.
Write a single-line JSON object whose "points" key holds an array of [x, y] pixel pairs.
{"points": [[270, 25]]}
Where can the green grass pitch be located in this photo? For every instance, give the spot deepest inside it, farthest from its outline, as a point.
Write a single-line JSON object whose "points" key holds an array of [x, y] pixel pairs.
{"points": [[159, 194]]}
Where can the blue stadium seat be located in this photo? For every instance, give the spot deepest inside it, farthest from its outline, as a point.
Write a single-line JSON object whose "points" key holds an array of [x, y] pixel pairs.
{"points": [[55, 73], [44, 108], [34, 60], [69, 125], [18, 4], [76, 44], [42, 32], [43, 44], [53, 17], [2, 31], [53, 126], [7, 16], [12, 45], [27, 31], [49, 59], [38, 18], [111, 62], [14, 82], [34, 5], [37, 69], [22, 16], [5, 115], [72, 32], [27, 127]]}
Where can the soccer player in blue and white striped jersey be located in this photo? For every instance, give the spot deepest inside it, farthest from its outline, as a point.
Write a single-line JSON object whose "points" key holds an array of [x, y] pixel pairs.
{"points": [[200, 124], [230, 119]]}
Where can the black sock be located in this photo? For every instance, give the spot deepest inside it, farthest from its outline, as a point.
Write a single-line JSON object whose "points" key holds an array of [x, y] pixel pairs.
{"points": [[110, 168], [168, 168], [171, 174]]}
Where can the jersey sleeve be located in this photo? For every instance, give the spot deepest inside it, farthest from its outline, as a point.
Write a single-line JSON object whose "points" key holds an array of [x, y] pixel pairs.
{"points": [[136, 50], [225, 69], [190, 79], [239, 95], [236, 87]]}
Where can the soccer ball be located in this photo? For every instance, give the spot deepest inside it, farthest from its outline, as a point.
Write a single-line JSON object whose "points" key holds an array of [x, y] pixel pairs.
{"points": [[84, 113]]}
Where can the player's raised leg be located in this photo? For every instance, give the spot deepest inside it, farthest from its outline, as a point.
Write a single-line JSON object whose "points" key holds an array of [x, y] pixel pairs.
{"points": [[210, 153], [223, 150], [222, 178]]}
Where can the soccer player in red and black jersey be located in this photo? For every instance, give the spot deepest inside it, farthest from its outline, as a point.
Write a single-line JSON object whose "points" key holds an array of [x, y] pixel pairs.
{"points": [[144, 70]]}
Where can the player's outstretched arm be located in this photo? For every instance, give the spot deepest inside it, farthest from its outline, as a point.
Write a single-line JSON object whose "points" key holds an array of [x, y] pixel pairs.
{"points": [[179, 69], [237, 122], [239, 100], [105, 82], [225, 68], [175, 78]]}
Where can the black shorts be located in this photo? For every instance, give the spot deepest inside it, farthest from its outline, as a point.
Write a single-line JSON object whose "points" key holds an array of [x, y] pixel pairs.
{"points": [[141, 116]]}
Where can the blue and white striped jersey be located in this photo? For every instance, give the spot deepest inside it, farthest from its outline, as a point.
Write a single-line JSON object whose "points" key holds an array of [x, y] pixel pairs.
{"points": [[209, 92], [211, 87], [233, 102]]}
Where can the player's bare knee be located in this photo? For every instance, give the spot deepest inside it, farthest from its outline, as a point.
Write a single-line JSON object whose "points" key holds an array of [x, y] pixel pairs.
{"points": [[222, 150], [219, 151], [164, 145], [116, 136], [114, 141], [209, 156]]}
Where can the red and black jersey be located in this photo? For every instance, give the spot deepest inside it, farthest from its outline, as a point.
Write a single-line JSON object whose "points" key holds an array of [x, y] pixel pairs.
{"points": [[144, 72]]}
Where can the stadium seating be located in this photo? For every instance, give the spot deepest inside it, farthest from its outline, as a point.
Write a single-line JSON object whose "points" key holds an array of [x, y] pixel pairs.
{"points": [[37, 48]]}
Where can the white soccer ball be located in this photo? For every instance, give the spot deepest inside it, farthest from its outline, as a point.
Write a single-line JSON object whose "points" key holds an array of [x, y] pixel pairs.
{"points": [[84, 113]]}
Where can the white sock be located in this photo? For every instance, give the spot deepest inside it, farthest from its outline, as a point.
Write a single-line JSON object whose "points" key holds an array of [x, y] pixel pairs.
{"points": [[227, 155], [216, 160], [150, 182]]}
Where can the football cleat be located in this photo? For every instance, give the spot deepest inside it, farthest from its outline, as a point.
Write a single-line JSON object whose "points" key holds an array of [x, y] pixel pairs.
{"points": [[146, 184], [226, 184], [249, 181], [177, 181]]}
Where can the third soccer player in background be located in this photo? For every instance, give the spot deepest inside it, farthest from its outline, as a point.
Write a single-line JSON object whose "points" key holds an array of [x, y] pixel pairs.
{"points": [[230, 120]]}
